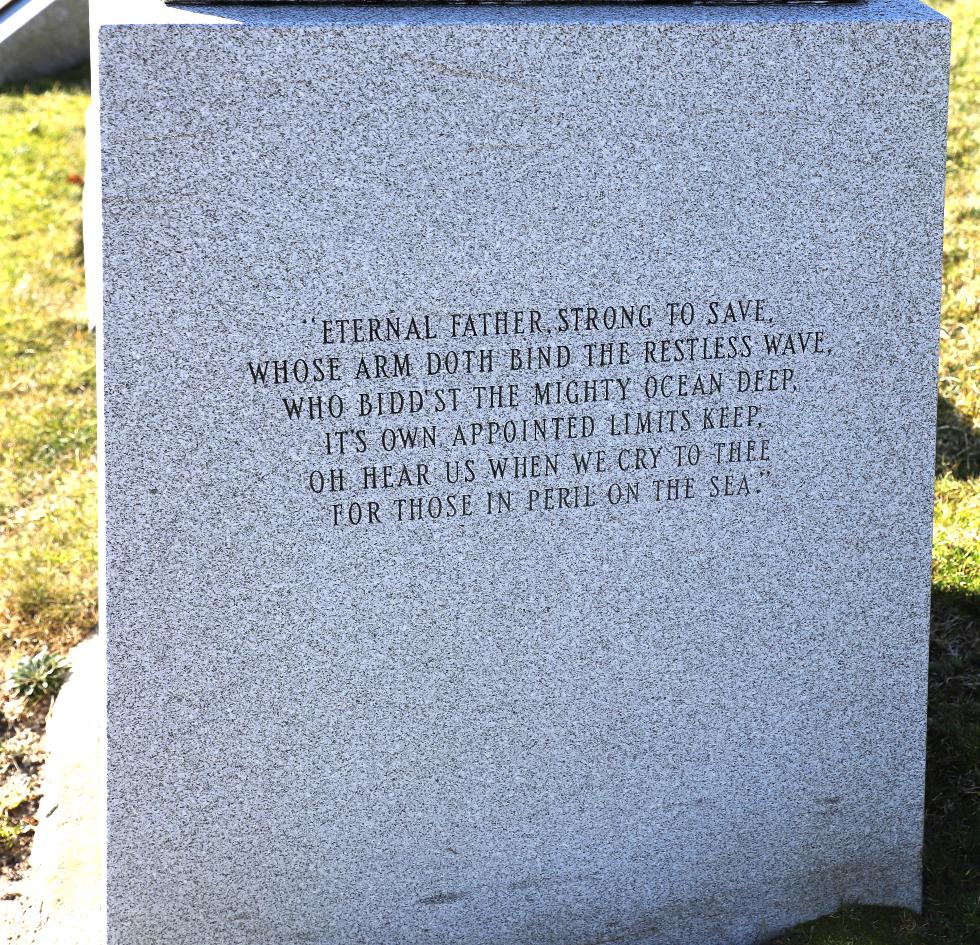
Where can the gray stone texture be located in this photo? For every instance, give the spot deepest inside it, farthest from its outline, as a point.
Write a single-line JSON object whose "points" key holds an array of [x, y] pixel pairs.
{"points": [[42, 37], [215, 3], [684, 723]]}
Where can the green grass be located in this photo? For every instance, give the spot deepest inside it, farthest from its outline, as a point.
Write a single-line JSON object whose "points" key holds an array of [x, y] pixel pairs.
{"points": [[47, 374], [47, 468]]}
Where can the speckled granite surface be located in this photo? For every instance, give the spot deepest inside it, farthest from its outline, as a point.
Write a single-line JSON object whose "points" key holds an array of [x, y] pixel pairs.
{"points": [[429, 3], [689, 715]]}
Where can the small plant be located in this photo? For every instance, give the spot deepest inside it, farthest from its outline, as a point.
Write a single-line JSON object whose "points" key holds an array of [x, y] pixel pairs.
{"points": [[10, 835], [36, 677]]}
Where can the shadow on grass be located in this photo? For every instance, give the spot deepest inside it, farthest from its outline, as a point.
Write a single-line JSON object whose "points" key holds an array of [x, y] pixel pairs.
{"points": [[951, 858], [76, 79], [957, 443]]}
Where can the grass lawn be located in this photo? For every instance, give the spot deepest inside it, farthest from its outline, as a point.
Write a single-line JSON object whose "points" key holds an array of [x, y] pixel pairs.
{"points": [[47, 375], [47, 419], [48, 504]]}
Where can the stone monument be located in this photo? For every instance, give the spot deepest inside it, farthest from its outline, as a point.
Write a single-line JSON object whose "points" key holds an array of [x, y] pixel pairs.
{"points": [[518, 456]]}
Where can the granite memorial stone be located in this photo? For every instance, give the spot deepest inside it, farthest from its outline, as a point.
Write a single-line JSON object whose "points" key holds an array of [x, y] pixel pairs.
{"points": [[518, 455]]}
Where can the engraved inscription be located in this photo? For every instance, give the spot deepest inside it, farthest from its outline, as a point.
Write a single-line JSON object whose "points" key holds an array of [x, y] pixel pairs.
{"points": [[538, 410]]}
